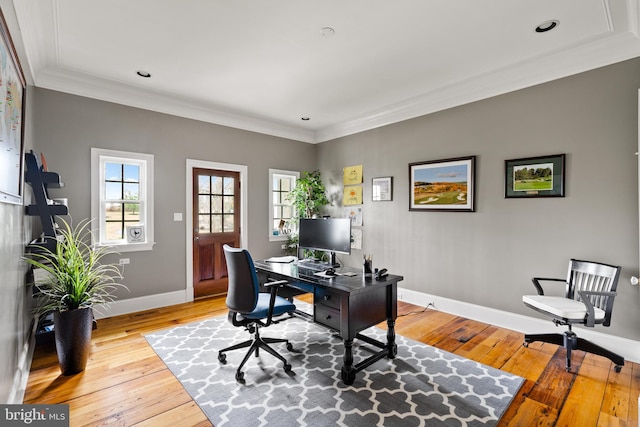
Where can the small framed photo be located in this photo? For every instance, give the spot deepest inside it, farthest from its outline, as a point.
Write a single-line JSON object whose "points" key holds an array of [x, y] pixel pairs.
{"points": [[135, 233], [535, 177], [442, 185], [382, 189]]}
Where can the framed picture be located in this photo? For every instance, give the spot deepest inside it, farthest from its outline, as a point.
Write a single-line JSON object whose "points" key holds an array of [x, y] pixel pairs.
{"points": [[12, 87], [534, 177], [382, 189], [442, 185]]}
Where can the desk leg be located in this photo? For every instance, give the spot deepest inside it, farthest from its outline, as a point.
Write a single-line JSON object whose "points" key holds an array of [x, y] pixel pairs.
{"points": [[348, 371], [391, 339]]}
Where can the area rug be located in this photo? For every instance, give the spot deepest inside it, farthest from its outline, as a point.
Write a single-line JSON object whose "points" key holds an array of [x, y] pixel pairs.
{"points": [[422, 386]]}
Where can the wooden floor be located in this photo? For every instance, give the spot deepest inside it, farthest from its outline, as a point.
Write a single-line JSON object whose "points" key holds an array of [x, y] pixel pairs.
{"points": [[126, 384]]}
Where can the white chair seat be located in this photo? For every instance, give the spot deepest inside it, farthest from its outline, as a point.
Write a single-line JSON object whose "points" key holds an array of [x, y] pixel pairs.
{"points": [[562, 307]]}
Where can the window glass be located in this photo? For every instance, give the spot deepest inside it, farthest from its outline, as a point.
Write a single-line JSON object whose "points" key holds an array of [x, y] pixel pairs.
{"points": [[121, 197]]}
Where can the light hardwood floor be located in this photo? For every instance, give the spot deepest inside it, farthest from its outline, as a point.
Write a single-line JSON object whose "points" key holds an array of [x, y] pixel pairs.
{"points": [[126, 384]]}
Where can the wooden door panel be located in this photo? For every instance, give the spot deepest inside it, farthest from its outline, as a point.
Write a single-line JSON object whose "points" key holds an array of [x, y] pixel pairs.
{"points": [[209, 266]]}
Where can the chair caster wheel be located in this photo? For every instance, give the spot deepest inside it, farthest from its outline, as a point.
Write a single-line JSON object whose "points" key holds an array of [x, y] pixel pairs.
{"points": [[222, 358], [618, 368], [289, 346], [287, 367], [525, 344], [240, 376]]}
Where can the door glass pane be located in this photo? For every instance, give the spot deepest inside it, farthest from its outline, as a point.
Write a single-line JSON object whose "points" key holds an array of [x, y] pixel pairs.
{"points": [[228, 204], [216, 204], [216, 223], [204, 204], [204, 224], [204, 184], [228, 223], [216, 185], [229, 185]]}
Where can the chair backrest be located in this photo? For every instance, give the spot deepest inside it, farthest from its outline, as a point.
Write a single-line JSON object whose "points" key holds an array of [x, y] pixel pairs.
{"points": [[594, 277], [242, 295]]}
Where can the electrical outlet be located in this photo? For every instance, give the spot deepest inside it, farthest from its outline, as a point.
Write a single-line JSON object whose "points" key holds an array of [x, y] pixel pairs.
{"points": [[124, 261], [283, 247]]}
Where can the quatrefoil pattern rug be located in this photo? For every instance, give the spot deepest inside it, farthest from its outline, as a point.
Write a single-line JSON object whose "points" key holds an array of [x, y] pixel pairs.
{"points": [[422, 386]]}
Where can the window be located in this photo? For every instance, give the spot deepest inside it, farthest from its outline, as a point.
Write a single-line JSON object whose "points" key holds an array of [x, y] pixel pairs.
{"points": [[122, 199], [280, 185]]}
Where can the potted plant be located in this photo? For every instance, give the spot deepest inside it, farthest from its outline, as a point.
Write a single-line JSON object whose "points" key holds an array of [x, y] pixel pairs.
{"points": [[74, 280], [308, 197]]}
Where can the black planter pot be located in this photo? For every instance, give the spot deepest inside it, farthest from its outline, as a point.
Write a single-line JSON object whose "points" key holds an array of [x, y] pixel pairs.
{"points": [[73, 339]]}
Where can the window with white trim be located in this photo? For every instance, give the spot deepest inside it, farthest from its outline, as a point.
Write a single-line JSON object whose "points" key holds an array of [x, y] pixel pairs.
{"points": [[281, 211], [122, 199]]}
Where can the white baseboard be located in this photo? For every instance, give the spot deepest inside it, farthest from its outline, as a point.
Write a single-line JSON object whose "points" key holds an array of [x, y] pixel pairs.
{"points": [[627, 348], [21, 376], [132, 305]]}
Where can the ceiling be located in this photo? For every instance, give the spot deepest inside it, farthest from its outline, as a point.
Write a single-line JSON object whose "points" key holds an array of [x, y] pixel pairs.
{"points": [[264, 65]]}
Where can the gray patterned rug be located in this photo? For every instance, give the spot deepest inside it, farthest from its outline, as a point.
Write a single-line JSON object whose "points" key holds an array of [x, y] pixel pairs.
{"points": [[423, 386]]}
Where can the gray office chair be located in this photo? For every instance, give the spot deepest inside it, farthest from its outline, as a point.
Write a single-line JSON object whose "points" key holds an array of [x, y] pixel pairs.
{"points": [[588, 300], [251, 309]]}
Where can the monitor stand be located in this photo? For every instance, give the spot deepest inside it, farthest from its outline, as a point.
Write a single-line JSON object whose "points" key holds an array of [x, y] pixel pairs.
{"points": [[332, 260]]}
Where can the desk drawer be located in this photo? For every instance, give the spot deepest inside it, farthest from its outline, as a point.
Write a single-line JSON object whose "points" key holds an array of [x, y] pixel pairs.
{"points": [[327, 316], [324, 296]]}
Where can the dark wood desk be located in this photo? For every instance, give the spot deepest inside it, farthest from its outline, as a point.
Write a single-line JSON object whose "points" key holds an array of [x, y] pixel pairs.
{"points": [[347, 305]]}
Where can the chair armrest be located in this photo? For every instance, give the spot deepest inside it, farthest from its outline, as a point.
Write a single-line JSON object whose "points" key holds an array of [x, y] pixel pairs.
{"points": [[590, 319], [277, 283], [536, 282], [274, 285]]}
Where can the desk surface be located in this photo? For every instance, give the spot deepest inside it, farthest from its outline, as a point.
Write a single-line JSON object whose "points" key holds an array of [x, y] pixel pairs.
{"points": [[351, 284]]}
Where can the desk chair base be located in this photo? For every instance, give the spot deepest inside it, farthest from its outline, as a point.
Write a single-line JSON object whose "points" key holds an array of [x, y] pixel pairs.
{"points": [[570, 341], [255, 345]]}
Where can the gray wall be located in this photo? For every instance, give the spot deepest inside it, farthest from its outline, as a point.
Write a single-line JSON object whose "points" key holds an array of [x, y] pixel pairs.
{"points": [[15, 295], [488, 257], [67, 126], [485, 258]]}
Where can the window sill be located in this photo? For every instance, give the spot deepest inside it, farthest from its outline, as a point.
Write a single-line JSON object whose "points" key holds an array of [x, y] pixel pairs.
{"points": [[130, 247]]}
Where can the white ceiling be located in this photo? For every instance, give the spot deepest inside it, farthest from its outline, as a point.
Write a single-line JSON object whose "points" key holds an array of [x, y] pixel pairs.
{"points": [[263, 65]]}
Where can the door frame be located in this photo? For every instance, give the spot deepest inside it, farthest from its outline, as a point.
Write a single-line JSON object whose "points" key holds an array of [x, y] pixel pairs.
{"points": [[244, 229]]}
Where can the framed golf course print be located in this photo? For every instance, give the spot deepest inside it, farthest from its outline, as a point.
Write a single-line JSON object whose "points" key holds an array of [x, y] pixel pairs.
{"points": [[442, 185], [535, 177]]}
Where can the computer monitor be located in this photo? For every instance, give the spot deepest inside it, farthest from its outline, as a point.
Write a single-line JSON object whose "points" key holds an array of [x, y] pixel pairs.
{"points": [[325, 234]]}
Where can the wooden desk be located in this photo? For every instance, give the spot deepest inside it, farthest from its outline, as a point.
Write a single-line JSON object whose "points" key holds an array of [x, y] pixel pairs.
{"points": [[347, 305]]}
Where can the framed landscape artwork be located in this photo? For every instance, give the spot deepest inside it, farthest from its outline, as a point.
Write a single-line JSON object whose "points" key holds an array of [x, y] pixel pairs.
{"points": [[442, 185], [535, 177], [12, 86]]}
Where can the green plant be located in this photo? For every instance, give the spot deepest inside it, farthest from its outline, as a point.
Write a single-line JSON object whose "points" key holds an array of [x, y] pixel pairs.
{"points": [[75, 275], [308, 197]]}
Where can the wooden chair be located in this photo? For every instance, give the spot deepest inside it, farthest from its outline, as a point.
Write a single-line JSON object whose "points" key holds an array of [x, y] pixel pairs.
{"points": [[590, 289]]}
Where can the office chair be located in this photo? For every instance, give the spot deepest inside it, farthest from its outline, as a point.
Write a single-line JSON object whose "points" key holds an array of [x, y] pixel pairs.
{"points": [[589, 294], [251, 309]]}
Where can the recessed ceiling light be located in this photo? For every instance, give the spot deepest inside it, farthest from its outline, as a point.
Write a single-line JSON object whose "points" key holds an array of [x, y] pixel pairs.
{"points": [[144, 74], [305, 119], [327, 31], [547, 26]]}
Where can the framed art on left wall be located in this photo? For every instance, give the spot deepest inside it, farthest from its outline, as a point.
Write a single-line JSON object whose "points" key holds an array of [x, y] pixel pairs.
{"points": [[12, 90]]}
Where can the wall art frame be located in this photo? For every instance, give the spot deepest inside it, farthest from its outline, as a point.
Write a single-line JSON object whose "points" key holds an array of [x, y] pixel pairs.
{"points": [[531, 177], [443, 185], [12, 97], [382, 189]]}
